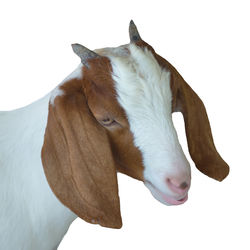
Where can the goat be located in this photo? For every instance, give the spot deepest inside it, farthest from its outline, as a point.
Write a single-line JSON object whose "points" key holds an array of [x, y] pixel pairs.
{"points": [[59, 156]]}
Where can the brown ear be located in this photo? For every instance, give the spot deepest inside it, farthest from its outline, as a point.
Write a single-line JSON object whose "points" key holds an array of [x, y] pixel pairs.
{"points": [[198, 131], [78, 162]]}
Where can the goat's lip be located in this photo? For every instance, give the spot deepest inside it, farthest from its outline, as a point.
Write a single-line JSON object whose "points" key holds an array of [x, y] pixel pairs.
{"points": [[164, 198]]}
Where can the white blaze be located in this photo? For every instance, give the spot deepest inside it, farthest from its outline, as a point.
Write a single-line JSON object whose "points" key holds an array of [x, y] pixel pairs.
{"points": [[144, 92]]}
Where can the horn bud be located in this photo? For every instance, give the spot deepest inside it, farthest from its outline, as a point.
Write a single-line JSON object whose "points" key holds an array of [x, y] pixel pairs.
{"points": [[84, 53], [133, 32]]}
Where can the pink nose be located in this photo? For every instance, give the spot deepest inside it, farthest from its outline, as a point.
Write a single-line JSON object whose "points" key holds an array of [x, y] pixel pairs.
{"points": [[177, 186]]}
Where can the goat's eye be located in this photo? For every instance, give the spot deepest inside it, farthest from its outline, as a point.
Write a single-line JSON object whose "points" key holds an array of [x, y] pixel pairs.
{"points": [[108, 122]]}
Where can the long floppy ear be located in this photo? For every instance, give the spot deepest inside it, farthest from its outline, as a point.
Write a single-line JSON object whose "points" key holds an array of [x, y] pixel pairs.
{"points": [[78, 161], [198, 131]]}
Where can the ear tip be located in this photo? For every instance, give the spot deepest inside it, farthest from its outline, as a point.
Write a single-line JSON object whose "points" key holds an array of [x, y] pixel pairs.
{"points": [[215, 171], [117, 224], [224, 173], [111, 220]]}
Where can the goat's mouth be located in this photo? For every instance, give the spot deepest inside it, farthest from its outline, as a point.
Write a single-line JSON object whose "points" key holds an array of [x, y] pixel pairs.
{"points": [[163, 197]]}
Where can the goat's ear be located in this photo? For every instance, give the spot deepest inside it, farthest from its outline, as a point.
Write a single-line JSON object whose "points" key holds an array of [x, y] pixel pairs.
{"points": [[198, 131], [78, 162]]}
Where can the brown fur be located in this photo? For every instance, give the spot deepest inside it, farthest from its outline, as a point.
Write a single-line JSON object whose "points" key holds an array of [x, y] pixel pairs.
{"points": [[103, 103], [199, 136], [81, 157]]}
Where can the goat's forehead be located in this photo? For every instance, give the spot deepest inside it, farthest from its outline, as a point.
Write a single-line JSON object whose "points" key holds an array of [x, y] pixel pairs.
{"points": [[142, 85]]}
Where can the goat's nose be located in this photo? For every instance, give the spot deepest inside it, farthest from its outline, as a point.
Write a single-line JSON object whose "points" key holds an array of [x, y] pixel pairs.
{"points": [[177, 186]]}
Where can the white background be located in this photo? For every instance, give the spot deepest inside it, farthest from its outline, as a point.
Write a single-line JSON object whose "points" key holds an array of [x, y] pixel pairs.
{"points": [[208, 42]]}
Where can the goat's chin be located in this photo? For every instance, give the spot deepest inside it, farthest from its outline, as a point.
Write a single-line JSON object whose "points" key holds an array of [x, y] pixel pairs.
{"points": [[165, 198]]}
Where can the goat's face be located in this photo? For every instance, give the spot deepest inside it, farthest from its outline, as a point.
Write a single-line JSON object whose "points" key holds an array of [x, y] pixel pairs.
{"points": [[134, 104], [117, 117]]}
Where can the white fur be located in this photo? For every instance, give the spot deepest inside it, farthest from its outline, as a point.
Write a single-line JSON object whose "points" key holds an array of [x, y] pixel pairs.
{"points": [[144, 92], [31, 217]]}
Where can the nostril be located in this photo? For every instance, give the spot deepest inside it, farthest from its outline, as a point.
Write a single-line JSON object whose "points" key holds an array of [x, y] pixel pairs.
{"points": [[176, 186], [183, 185]]}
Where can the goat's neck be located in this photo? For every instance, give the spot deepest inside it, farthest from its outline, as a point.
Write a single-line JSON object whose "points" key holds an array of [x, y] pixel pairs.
{"points": [[31, 217]]}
